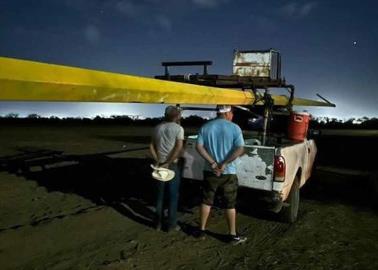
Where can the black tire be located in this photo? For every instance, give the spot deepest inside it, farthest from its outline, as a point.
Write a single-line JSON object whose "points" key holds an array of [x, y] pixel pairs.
{"points": [[289, 213]]}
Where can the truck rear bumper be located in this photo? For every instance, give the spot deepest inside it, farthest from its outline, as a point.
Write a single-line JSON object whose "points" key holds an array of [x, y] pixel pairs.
{"points": [[272, 200]]}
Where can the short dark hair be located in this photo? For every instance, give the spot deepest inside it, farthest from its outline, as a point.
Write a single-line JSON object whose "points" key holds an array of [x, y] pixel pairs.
{"points": [[171, 112]]}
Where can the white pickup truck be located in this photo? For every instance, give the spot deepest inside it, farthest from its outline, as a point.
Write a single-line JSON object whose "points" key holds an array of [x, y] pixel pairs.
{"points": [[278, 170]]}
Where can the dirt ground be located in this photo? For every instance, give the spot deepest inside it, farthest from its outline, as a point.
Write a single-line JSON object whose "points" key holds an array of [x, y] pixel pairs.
{"points": [[93, 211]]}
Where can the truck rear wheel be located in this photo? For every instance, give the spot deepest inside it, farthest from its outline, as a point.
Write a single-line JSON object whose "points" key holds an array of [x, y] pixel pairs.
{"points": [[289, 213]]}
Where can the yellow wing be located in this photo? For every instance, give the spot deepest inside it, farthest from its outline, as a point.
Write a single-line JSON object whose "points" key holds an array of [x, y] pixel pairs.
{"points": [[22, 80]]}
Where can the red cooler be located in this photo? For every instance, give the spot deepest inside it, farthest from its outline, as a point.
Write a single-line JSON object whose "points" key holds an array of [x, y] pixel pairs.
{"points": [[298, 126]]}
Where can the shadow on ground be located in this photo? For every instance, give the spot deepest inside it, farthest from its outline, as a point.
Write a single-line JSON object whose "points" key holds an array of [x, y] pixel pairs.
{"points": [[125, 184], [122, 183]]}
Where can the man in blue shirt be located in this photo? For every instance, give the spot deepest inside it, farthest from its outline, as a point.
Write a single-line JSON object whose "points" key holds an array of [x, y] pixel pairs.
{"points": [[220, 142]]}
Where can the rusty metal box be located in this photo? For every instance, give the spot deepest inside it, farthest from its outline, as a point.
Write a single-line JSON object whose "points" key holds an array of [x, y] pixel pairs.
{"points": [[259, 64]]}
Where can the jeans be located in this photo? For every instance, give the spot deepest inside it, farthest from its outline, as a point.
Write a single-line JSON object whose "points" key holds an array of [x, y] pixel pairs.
{"points": [[172, 187]]}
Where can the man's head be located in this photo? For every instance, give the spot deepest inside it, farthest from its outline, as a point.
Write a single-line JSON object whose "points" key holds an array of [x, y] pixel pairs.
{"points": [[172, 114], [225, 111]]}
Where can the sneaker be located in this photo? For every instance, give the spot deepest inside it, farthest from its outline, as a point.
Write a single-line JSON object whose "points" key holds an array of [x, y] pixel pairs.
{"points": [[237, 239], [200, 234]]}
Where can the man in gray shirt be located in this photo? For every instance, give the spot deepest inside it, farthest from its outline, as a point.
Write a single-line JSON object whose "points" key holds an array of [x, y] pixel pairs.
{"points": [[166, 146]]}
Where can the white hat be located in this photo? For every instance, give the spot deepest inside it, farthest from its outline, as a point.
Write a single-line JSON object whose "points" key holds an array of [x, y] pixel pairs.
{"points": [[162, 174], [223, 108]]}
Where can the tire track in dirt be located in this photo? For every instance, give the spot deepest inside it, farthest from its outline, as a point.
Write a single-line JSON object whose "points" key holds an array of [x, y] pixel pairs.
{"points": [[273, 233], [262, 236]]}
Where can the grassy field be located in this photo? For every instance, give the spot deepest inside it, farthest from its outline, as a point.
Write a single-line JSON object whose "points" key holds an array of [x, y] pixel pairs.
{"points": [[350, 132], [90, 210]]}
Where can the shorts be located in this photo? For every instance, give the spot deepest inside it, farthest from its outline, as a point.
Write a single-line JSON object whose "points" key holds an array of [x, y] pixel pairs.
{"points": [[227, 184]]}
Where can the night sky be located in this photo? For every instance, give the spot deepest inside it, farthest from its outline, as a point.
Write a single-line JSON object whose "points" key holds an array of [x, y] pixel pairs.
{"points": [[328, 47]]}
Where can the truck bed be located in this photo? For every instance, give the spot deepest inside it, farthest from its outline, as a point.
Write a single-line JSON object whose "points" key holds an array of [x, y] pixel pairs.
{"points": [[275, 140], [255, 169]]}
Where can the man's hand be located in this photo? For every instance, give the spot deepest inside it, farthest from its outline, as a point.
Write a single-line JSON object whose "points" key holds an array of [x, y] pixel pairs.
{"points": [[175, 152], [154, 152], [164, 165], [234, 155], [222, 167], [214, 167], [219, 169]]}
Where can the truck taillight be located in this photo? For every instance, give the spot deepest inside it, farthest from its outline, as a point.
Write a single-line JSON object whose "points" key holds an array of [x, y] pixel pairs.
{"points": [[279, 168]]}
